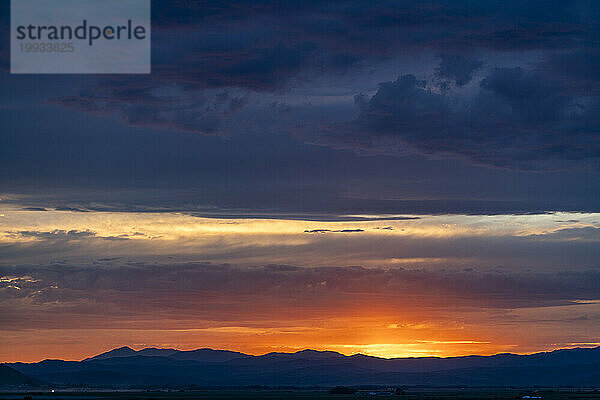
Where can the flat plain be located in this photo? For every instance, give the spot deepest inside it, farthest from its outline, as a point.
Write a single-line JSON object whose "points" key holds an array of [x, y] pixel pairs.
{"points": [[315, 394]]}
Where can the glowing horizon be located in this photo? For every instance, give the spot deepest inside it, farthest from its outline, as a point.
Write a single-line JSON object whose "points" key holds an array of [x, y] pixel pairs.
{"points": [[371, 349], [273, 284]]}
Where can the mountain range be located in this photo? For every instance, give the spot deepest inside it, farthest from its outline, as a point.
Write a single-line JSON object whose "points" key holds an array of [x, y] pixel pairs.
{"points": [[125, 367]]}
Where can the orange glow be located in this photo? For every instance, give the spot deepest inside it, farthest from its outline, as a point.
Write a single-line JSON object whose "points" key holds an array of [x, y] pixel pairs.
{"points": [[384, 309], [375, 336]]}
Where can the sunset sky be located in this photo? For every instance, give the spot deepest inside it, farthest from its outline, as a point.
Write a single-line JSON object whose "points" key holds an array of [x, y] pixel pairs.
{"points": [[392, 178]]}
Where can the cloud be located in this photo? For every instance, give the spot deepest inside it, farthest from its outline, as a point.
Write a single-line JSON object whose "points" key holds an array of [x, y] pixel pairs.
{"points": [[533, 100], [457, 68], [517, 119], [72, 209], [587, 233], [219, 66], [141, 104], [515, 242], [576, 69], [57, 234], [261, 46], [199, 291], [334, 231], [268, 47]]}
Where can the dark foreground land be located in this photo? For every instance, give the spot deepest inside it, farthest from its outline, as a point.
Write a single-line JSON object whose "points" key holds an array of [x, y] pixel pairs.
{"points": [[410, 394], [207, 368]]}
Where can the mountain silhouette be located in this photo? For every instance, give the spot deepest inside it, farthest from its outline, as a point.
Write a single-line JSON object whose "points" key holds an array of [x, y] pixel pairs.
{"points": [[207, 367], [205, 354], [11, 377], [120, 352]]}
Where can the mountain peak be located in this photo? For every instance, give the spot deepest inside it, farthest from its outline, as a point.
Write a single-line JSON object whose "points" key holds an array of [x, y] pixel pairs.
{"points": [[319, 353], [124, 351]]}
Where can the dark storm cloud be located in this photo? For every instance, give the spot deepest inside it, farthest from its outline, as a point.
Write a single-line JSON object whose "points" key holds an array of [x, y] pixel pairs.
{"points": [[261, 46], [267, 52], [517, 119], [221, 292], [507, 25], [457, 68], [260, 38], [578, 71], [141, 104]]}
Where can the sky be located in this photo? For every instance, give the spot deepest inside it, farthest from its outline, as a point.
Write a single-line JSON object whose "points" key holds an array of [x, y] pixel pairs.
{"points": [[415, 178]]}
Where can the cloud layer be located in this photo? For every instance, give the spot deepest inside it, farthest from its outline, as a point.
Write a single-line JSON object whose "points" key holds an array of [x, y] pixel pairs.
{"points": [[536, 115], [406, 99], [196, 302], [515, 119]]}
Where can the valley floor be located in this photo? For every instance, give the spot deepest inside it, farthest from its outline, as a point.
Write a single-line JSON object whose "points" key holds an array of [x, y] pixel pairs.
{"points": [[245, 394]]}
